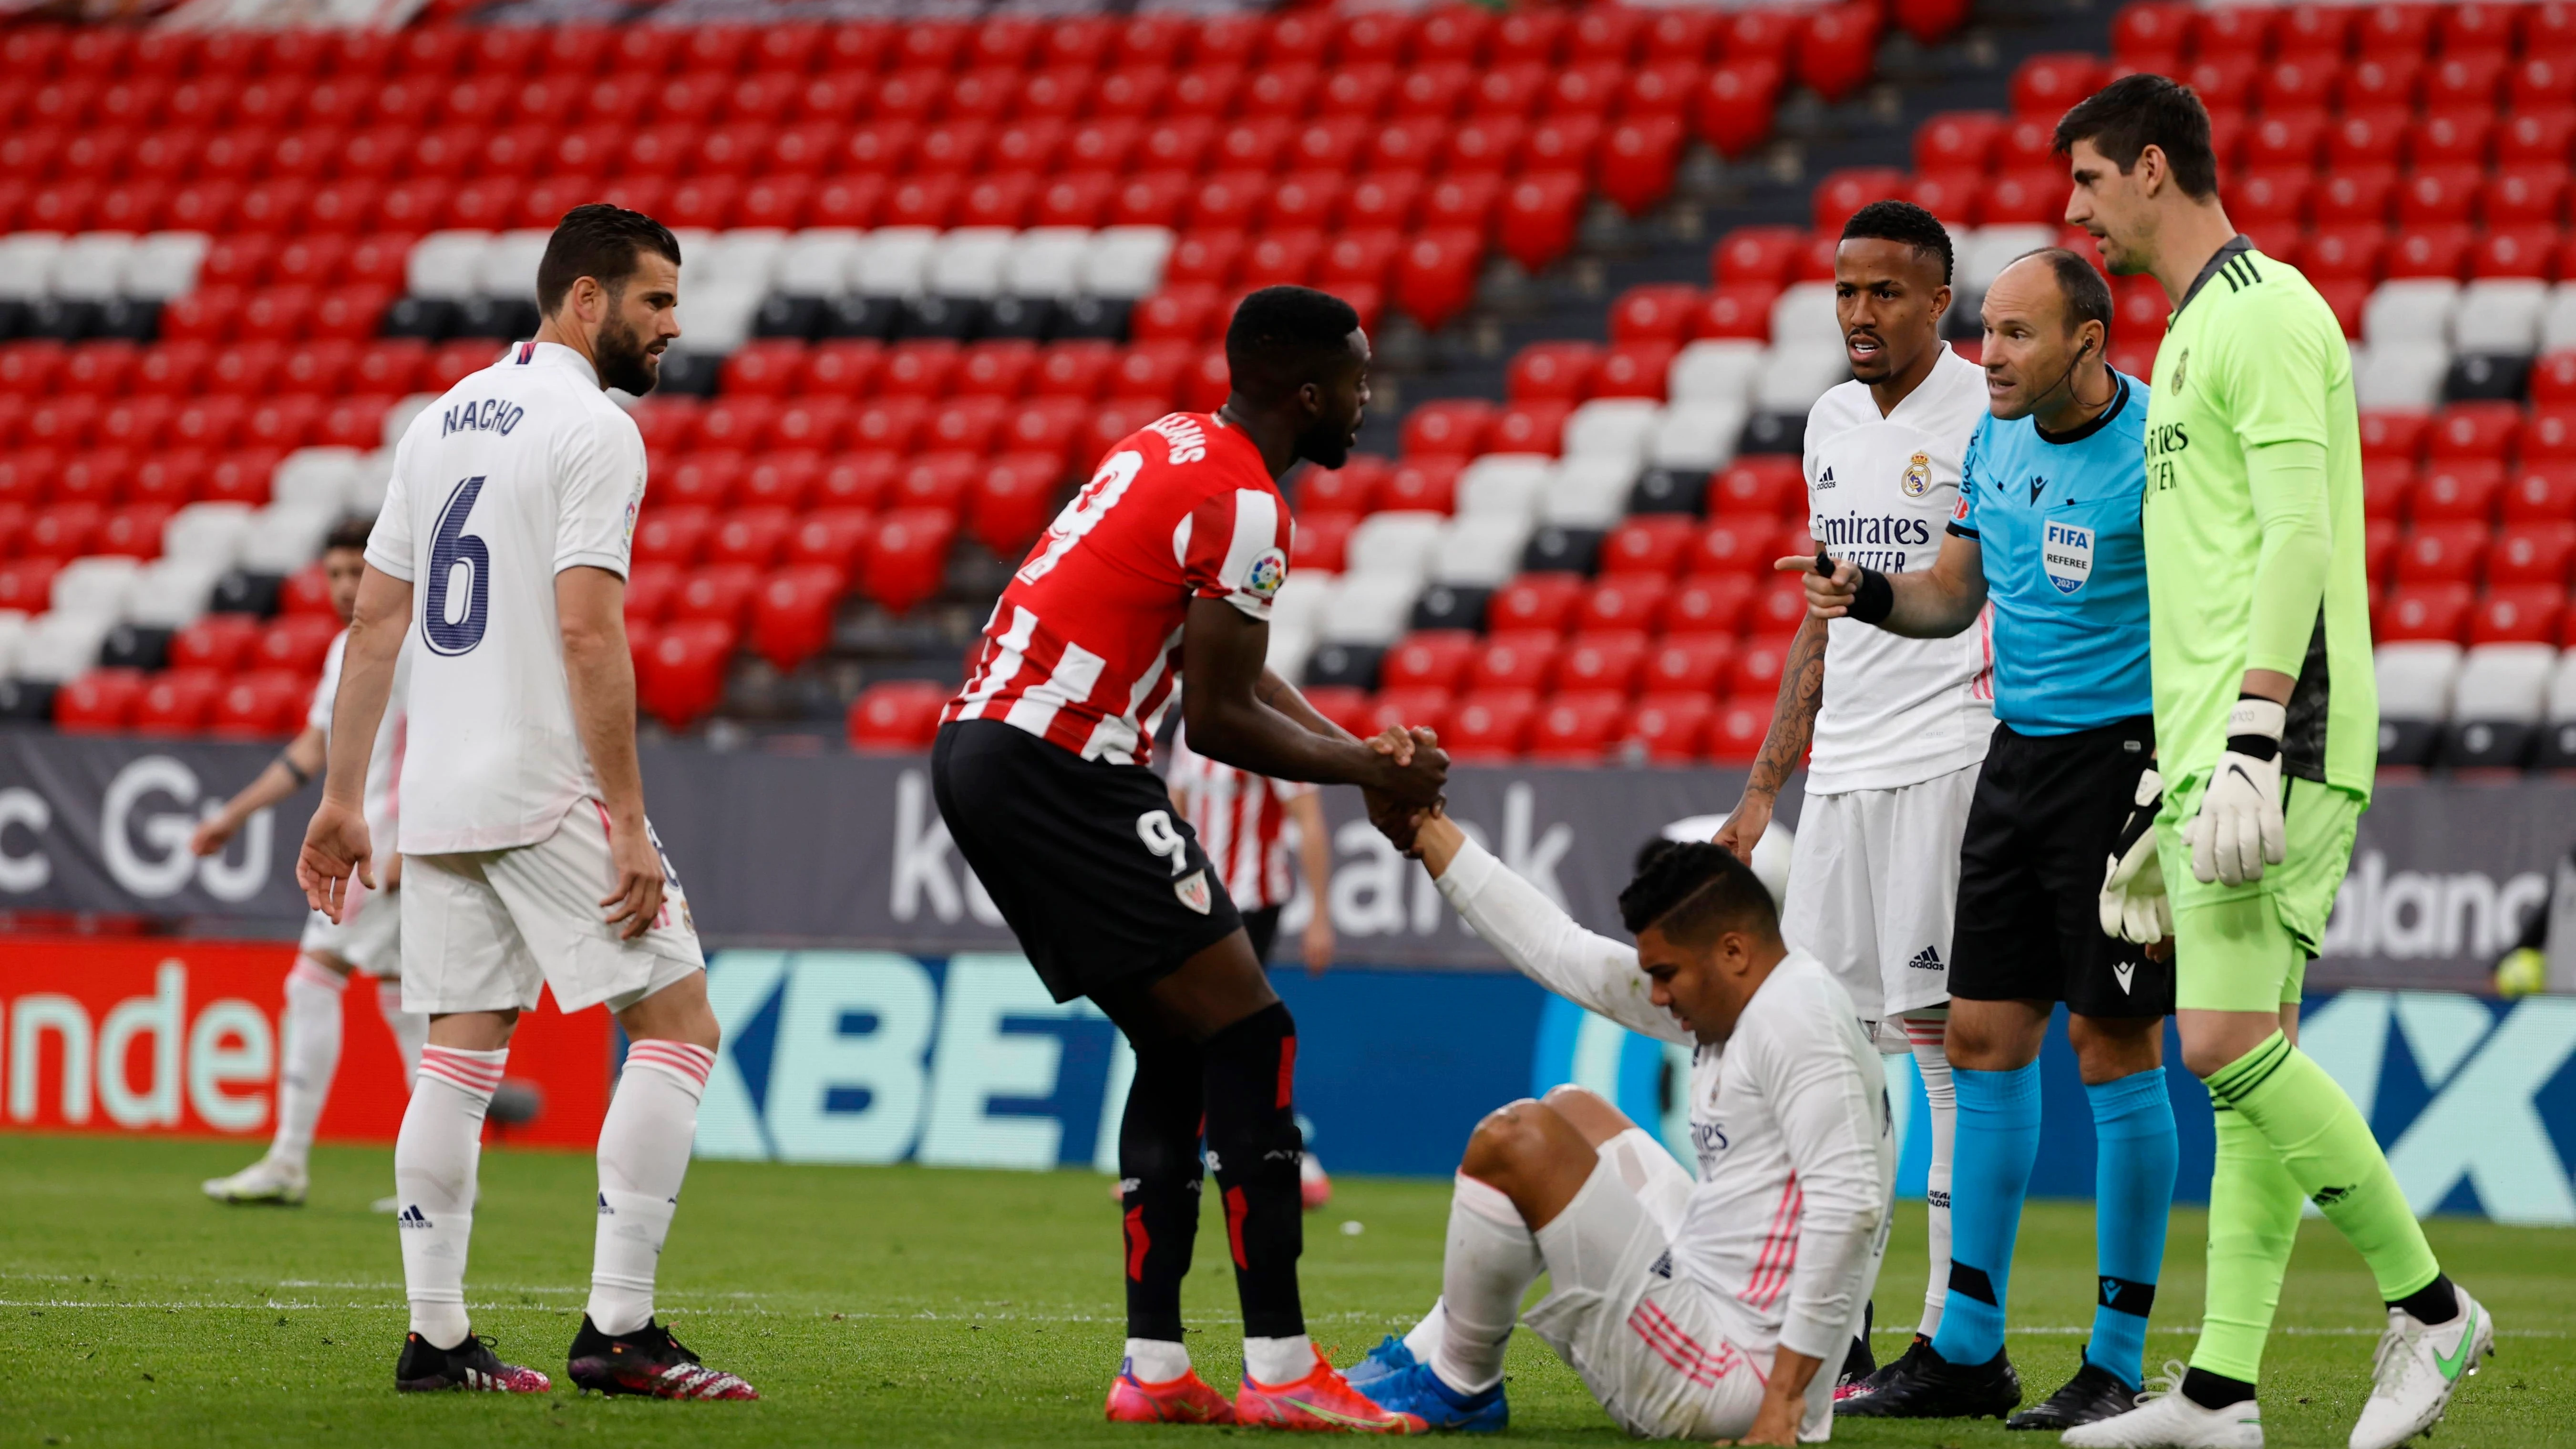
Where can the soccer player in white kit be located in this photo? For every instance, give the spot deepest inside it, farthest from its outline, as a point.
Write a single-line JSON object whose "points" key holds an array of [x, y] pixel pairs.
{"points": [[512, 509], [1899, 726], [370, 943], [1714, 1309]]}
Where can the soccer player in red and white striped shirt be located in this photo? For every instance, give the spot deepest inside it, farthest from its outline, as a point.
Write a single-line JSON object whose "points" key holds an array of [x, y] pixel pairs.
{"points": [[1165, 564], [1242, 820]]}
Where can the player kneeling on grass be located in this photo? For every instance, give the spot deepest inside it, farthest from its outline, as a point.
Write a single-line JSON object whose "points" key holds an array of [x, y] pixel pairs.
{"points": [[530, 863], [1692, 1310]]}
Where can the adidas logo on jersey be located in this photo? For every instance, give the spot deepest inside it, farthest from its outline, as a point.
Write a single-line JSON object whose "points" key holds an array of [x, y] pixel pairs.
{"points": [[1927, 959], [1663, 1265], [604, 1209], [1825, 480], [413, 1217]]}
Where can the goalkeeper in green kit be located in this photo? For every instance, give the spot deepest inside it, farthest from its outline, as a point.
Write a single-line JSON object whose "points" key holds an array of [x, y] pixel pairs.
{"points": [[2267, 724]]}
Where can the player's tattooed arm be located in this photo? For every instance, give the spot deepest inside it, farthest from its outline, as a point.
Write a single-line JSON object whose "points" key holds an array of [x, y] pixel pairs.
{"points": [[1933, 603], [1793, 725]]}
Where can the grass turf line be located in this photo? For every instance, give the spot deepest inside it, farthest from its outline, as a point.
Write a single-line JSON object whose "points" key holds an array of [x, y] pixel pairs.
{"points": [[904, 1306]]}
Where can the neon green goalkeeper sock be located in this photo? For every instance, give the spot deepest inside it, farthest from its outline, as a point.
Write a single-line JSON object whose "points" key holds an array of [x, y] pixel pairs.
{"points": [[2253, 1225], [2329, 1152]]}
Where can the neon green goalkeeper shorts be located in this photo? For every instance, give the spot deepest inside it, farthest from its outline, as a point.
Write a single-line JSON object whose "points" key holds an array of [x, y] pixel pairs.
{"points": [[2246, 947]]}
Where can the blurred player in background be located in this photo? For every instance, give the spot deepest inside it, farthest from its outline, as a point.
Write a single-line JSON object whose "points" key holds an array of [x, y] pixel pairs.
{"points": [[2047, 530], [1164, 566], [513, 509], [1243, 821], [371, 941], [1710, 1309], [1898, 725], [2267, 720]]}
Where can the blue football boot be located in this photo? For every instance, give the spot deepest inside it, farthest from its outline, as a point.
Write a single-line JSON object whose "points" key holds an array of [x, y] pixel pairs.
{"points": [[1418, 1390], [1389, 1357]]}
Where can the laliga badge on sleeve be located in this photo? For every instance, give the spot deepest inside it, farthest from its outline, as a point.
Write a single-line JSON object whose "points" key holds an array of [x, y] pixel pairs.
{"points": [[1192, 889]]}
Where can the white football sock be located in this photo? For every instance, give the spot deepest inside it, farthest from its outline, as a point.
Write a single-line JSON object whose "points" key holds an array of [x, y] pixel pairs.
{"points": [[312, 1054], [1491, 1261], [1933, 1063], [1156, 1360], [434, 1163], [1278, 1361], [643, 1156], [1424, 1339], [410, 1028]]}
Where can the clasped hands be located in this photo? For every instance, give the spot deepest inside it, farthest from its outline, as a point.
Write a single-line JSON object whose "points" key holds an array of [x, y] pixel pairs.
{"points": [[1395, 817]]}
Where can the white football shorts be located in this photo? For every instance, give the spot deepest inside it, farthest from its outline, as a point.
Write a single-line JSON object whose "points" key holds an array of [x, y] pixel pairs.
{"points": [[1874, 887], [1652, 1348], [483, 930], [370, 940]]}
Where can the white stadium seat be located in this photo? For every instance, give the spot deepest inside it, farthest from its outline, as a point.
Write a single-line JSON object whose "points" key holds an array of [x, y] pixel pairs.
{"points": [[1697, 436], [1990, 249], [1588, 492], [2400, 375], [2415, 682], [508, 265], [164, 265], [2558, 323], [96, 585], [1503, 485], [1395, 544], [1047, 261], [1127, 261], [1302, 600], [2504, 682], [91, 266], [2500, 315], [285, 537], [816, 262], [316, 478], [1803, 316], [59, 647], [1370, 609], [891, 261], [207, 532], [1714, 370], [2562, 687], [2414, 309], [1794, 377], [367, 486], [1483, 551], [447, 265], [13, 631], [171, 593], [968, 262], [27, 263], [1288, 650], [398, 417], [1612, 427], [717, 318], [745, 256]]}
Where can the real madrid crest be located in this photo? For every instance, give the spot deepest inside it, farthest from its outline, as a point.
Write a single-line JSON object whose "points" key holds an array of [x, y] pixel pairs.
{"points": [[1918, 475], [2179, 364]]}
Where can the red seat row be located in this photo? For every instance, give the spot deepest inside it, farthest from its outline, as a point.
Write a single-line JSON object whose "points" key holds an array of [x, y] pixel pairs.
{"points": [[2458, 613], [1617, 660], [258, 704], [935, 368], [186, 369], [899, 715], [2164, 28], [214, 422], [856, 432], [1002, 505], [2478, 489], [107, 477], [2468, 551], [2496, 430], [1583, 728]]}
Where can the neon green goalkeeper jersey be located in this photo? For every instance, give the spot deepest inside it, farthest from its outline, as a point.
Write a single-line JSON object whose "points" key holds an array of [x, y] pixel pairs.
{"points": [[2246, 570]]}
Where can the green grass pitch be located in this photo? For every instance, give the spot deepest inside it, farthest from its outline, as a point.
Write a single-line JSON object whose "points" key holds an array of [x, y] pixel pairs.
{"points": [[905, 1306]]}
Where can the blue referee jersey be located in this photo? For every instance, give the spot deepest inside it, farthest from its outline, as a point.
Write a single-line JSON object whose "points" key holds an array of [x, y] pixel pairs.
{"points": [[2057, 519]]}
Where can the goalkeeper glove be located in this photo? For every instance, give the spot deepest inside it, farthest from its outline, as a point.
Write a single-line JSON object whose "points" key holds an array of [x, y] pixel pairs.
{"points": [[2239, 827], [2134, 907]]}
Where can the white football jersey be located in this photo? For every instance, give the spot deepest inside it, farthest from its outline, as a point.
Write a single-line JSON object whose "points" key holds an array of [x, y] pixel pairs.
{"points": [[517, 473], [1880, 493], [384, 760]]}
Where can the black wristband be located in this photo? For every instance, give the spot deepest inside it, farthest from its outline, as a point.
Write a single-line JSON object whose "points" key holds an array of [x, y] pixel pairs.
{"points": [[1875, 598], [296, 772], [2253, 747]]}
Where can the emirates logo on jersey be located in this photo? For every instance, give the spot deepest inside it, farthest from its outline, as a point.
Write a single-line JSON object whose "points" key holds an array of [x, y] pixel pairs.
{"points": [[1269, 570], [1918, 476]]}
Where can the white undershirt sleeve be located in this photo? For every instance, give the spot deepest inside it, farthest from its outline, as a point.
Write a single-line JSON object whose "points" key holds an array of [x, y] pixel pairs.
{"points": [[1825, 1114], [1549, 947]]}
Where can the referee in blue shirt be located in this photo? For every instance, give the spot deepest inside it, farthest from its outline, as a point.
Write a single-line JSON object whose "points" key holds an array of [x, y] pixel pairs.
{"points": [[2047, 533]]}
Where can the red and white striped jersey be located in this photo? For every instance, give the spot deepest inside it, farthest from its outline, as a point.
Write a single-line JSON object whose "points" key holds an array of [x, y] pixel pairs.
{"points": [[1084, 646], [1242, 821]]}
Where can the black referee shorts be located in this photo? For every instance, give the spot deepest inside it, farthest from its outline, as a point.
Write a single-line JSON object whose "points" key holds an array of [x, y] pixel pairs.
{"points": [[2040, 829], [1097, 874]]}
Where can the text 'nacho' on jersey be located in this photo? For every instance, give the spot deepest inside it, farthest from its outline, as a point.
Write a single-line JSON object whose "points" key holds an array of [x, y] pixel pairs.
{"points": [[1084, 646], [517, 473]]}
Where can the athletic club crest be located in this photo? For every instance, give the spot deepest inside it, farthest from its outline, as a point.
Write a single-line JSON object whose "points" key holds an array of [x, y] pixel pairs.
{"points": [[1192, 889], [1918, 475]]}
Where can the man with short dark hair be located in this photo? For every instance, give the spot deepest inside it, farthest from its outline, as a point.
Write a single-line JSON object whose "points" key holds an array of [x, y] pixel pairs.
{"points": [[2266, 720], [2047, 534], [369, 940], [504, 543], [1714, 1309], [1874, 874], [1165, 565]]}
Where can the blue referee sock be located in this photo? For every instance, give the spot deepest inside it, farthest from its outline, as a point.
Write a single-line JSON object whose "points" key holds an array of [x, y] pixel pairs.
{"points": [[1989, 1175], [2133, 1182]]}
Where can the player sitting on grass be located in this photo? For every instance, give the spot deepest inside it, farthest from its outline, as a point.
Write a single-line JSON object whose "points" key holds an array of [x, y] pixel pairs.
{"points": [[2267, 720], [371, 941], [1691, 1310]]}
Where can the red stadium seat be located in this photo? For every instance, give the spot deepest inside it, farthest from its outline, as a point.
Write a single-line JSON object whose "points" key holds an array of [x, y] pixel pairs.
{"points": [[791, 613], [1759, 487], [1656, 312], [1423, 484], [1514, 658], [1736, 730], [2529, 615], [908, 557], [897, 715], [1612, 660], [1011, 499], [295, 643], [650, 587], [2532, 553], [2474, 430], [1757, 254], [175, 701], [260, 704], [2451, 552], [674, 534], [1343, 705], [1349, 489], [215, 642], [1456, 428], [1538, 214], [2541, 493], [1429, 659], [1634, 369], [1736, 104], [836, 536], [1624, 602], [1736, 310], [680, 675], [307, 591], [1836, 47], [2048, 84], [1537, 426], [1405, 708], [2549, 435], [1435, 274], [1670, 729], [1843, 192], [1321, 542], [2394, 433], [2458, 489], [1540, 601], [1649, 544], [1489, 726], [1576, 728], [2386, 484], [98, 702]]}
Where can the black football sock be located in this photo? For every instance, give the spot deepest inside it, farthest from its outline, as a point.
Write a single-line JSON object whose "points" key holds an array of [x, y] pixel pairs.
{"points": [[1158, 1160], [2214, 1391], [1252, 1135], [2433, 1303]]}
